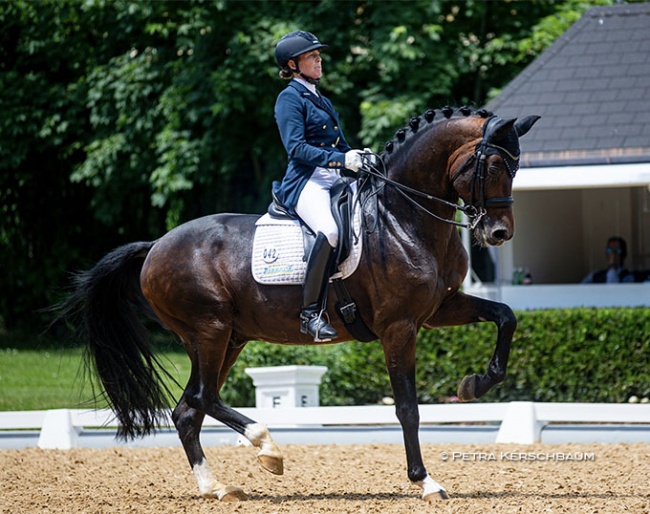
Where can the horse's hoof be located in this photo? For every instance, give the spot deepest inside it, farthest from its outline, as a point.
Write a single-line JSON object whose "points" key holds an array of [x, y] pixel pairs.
{"points": [[434, 497], [227, 494], [467, 389], [271, 463], [232, 494]]}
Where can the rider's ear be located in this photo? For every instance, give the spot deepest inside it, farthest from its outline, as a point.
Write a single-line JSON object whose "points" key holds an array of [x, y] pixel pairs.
{"points": [[522, 126]]}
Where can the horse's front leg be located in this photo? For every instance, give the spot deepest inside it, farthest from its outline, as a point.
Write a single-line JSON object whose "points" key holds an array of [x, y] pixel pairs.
{"points": [[399, 352], [462, 309]]}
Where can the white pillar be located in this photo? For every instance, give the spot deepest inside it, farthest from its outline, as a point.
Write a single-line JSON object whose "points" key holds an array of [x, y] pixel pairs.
{"points": [[58, 432], [281, 387], [520, 424]]}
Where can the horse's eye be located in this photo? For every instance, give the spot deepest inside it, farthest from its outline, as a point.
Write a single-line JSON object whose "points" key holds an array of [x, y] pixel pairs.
{"points": [[493, 169]]}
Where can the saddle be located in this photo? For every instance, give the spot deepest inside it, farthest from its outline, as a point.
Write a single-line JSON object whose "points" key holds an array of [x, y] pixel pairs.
{"points": [[341, 197], [342, 204]]}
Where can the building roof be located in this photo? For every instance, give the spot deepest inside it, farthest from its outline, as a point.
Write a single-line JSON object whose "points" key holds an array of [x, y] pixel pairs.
{"points": [[592, 89]]}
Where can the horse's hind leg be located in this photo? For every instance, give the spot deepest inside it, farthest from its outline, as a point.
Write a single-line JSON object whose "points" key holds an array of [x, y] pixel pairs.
{"points": [[188, 421], [269, 456], [462, 309], [201, 397]]}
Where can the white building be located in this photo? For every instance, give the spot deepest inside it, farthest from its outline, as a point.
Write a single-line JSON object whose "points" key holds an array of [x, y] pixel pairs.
{"points": [[585, 173]]}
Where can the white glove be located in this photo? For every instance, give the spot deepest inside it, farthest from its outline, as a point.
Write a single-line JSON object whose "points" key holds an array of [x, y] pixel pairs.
{"points": [[370, 157], [353, 160]]}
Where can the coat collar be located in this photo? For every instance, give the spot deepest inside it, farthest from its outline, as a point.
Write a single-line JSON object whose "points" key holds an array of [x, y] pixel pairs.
{"points": [[319, 101]]}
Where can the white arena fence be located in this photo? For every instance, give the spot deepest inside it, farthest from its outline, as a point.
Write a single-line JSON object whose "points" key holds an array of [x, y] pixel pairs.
{"points": [[514, 422]]}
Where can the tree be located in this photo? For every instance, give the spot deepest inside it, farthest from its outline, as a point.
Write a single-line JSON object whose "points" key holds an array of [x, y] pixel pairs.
{"points": [[123, 119]]}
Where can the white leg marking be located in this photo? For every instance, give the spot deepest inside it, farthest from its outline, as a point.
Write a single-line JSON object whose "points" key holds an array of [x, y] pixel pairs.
{"points": [[270, 456], [260, 437], [204, 478], [429, 486], [210, 488]]}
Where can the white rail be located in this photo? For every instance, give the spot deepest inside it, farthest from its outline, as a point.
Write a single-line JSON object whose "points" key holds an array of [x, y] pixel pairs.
{"points": [[519, 422]]}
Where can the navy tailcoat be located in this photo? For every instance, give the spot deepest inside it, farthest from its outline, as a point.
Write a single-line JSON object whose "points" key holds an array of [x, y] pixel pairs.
{"points": [[311, 134]]}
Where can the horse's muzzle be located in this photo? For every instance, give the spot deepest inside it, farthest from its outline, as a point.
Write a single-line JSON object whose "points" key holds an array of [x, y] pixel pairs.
{"points": [[493, 233]]}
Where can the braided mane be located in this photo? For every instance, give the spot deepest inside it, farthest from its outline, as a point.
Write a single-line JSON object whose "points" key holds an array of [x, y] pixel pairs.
{"points": [[429, 118]]}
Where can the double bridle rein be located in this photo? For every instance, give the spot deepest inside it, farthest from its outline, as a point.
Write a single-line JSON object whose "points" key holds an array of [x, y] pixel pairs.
{"points": [[474, 210]]}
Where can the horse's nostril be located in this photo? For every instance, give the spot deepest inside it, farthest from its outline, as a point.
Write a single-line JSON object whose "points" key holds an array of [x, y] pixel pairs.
{"points": [[501, 235]]}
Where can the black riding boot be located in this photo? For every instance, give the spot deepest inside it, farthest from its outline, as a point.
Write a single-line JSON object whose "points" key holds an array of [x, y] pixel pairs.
{"points": [[316, 279]]}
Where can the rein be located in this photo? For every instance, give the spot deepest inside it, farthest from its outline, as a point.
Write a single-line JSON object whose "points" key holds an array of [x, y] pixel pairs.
{"points": [[469, 210], [473, 212]]}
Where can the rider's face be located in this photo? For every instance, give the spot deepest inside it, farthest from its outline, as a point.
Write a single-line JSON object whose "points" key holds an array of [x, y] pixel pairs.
{"points": [[310, 64]]}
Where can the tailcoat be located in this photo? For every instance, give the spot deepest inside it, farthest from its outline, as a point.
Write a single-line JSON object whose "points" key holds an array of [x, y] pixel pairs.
{"points": [[311, 134]]}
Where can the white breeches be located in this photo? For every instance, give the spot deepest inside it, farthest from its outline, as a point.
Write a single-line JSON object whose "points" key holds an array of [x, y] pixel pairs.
{"points": [[313, 205]]}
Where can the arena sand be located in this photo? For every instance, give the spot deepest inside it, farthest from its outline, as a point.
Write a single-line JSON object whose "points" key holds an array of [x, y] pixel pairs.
{"points": [[530, 479]]}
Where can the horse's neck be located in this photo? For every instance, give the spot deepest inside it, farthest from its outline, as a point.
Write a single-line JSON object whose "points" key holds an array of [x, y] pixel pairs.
{"points": [[404, 224]]}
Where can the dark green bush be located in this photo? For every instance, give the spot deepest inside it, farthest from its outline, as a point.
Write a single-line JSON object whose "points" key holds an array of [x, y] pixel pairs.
{"points": [[567, 355]]}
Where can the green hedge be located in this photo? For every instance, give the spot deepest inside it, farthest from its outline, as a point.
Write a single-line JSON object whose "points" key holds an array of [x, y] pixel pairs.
{"points": [[567, 355]]}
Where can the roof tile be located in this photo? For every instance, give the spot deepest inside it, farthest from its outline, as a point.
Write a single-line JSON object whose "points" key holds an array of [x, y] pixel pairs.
{"points": [[592, 88]]}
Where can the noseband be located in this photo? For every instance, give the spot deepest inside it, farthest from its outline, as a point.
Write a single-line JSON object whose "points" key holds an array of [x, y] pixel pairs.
{"points": [[475, 209]]}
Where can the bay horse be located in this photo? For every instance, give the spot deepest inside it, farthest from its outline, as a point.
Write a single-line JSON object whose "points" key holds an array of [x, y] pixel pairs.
{"points": [[196, 280]]}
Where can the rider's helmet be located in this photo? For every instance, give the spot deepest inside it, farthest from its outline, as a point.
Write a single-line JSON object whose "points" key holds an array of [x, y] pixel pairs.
{"points": [[295, 43]]}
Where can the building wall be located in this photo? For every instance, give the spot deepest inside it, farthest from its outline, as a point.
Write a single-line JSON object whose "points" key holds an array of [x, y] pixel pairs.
{"points": [[640, 248], [548, 235], [606, 212]]}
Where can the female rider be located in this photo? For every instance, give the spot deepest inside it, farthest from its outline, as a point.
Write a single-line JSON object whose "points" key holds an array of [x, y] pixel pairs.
{"points": [[311, 134]]}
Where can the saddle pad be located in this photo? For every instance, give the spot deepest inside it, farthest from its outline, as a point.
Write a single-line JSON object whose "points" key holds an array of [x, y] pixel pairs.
{"points": [[278, 252]]}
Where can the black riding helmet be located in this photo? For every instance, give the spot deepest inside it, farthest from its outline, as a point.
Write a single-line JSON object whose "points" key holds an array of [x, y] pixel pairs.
{"points": [[295, 43]]}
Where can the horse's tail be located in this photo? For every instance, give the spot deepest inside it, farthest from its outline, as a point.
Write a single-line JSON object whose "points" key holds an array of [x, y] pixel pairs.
{"points": [[104, 308]]}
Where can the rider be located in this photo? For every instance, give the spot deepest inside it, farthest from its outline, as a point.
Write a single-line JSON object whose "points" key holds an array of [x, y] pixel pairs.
{"points": [[311, 134]]}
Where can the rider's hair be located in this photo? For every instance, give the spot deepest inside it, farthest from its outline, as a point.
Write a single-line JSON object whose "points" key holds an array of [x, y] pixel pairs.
{"points": [[285, 73]]}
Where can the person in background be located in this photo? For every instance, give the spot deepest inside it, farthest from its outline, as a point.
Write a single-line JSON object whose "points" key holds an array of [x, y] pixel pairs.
{"points": [[317, 150], [615, 273]]}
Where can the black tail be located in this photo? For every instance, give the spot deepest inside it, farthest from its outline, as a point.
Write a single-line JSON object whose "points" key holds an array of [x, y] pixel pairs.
{"points": [[105, 309]]}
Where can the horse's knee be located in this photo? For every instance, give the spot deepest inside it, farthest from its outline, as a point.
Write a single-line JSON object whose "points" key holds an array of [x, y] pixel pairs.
{"points": [[506, 318]]}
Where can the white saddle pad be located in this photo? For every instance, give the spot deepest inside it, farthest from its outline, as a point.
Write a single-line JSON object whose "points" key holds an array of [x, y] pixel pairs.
{"points": [[278, 252]]}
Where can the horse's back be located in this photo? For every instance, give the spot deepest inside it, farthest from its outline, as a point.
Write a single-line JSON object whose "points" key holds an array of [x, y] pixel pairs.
{"points": [[211, 227], [197, 261]]}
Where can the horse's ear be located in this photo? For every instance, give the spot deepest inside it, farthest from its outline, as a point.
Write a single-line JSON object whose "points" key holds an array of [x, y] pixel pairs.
{"points": [[496, 129], [523, 126]]}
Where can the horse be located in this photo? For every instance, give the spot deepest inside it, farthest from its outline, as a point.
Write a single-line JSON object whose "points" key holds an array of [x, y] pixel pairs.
{"points": [[196, 281]]}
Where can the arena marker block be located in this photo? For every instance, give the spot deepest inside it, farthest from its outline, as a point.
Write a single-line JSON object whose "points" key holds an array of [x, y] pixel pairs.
{"points": [[58, 431], [520, 424]]}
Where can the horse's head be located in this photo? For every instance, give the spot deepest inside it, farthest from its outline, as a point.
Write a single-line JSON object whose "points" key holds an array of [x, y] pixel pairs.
{"points": [[482, 174]]}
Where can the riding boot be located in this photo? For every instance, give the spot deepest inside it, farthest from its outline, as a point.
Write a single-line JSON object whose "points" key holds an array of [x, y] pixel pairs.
{"points": [[314, 292]]}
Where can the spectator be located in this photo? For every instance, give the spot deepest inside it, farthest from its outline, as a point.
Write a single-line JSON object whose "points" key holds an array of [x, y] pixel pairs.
{"points": [[615, 272]]}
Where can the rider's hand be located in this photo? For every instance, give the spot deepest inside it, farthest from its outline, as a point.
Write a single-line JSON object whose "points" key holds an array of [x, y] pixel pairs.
{"points": [[353, 160], [370, 157]]}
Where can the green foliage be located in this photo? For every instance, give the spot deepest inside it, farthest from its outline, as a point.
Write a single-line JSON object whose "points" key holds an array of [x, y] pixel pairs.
{"points": [[573, 355], [59, 381], [578, 355], [122, 119]]}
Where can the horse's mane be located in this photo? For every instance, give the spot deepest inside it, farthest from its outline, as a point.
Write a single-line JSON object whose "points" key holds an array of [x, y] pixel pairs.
{"points": [[419, 124]]}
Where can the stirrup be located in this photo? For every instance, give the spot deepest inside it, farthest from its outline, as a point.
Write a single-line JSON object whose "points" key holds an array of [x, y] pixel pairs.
{"points": [[312, 323]]}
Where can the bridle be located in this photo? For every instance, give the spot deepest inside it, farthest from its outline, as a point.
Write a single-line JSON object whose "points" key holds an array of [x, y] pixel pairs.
{"points": [[476, 208]]}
